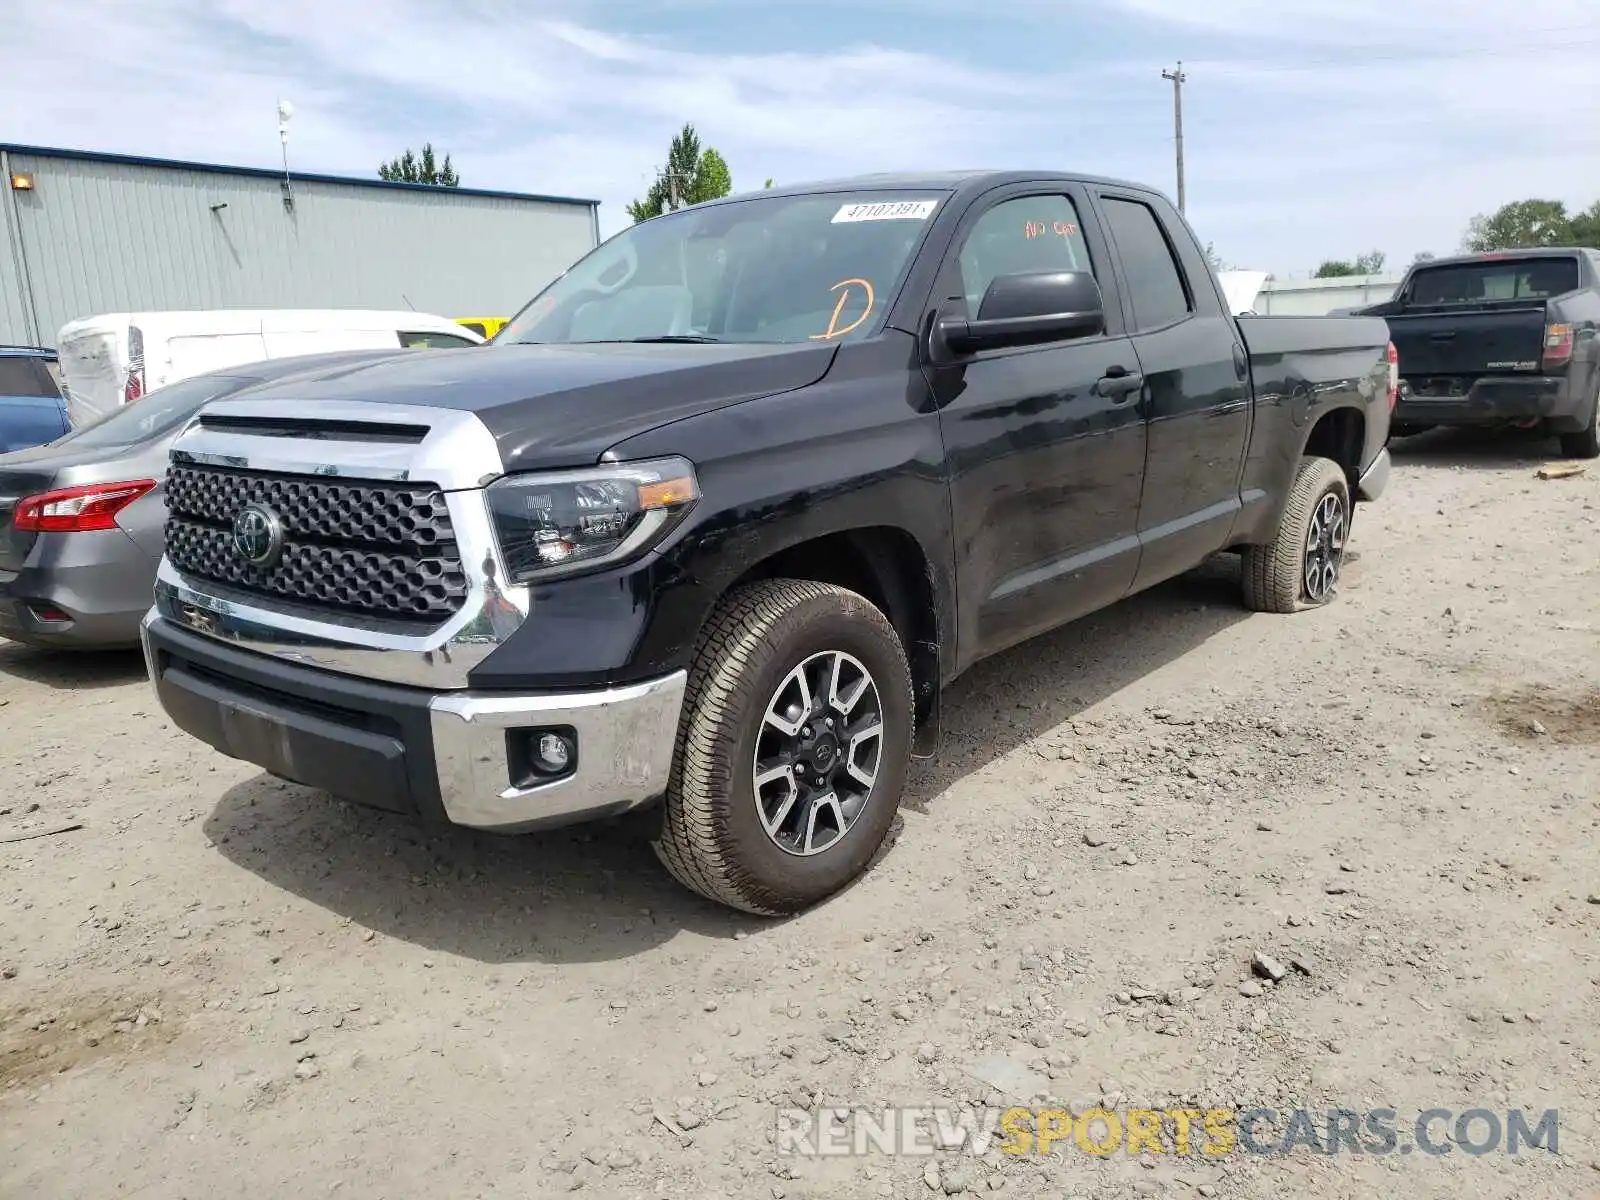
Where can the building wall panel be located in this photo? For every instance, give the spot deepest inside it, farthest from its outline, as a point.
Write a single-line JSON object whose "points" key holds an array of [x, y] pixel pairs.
{"points": [[108, 236]]}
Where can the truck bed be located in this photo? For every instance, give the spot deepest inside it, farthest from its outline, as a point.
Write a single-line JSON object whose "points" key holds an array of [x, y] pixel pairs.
{"points": [[1456, 321], [1272, 338], [1498, 338], [1294, 355]]}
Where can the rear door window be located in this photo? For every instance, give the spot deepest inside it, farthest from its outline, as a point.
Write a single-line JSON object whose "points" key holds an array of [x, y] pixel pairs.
{"points": [[26, 375], [1155, 281], [1487, 282]]}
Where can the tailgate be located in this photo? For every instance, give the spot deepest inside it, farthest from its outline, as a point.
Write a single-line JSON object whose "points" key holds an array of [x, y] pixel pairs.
{"points": [[1486, 342]]}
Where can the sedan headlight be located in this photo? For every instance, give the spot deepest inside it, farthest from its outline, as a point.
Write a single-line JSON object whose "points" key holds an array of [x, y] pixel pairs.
{"points": [[558, 523]]}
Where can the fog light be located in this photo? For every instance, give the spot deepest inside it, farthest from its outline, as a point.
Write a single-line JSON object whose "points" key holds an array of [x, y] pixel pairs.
{"points": [[541, 755], [555, 753]]}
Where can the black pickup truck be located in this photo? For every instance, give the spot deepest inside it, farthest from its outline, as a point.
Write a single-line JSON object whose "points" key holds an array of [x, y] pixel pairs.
{"points": [[718, 515], [1500, 339]]}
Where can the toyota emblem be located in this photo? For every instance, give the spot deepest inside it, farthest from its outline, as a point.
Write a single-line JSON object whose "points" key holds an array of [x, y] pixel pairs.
{"points": [[258, 536]]}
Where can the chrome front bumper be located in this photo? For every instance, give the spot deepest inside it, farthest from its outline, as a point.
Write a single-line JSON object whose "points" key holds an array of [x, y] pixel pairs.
{"points": [[625, 739], [436, 754], [381, 713]]}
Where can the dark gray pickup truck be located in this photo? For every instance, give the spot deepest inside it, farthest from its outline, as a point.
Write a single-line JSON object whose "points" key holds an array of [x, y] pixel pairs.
{"points": [[716, 518], [1500, 339]]}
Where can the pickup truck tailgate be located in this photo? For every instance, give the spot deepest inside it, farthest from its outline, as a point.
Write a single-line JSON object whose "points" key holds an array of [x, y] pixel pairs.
{"points": [[1469, 343]]}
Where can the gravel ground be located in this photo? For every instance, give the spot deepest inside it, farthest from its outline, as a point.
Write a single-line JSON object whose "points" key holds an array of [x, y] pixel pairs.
{"points": [[225, 985]]}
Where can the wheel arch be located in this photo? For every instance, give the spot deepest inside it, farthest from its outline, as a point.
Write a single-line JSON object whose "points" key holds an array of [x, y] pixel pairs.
{"points": [[887, 565], [1340, 434]]}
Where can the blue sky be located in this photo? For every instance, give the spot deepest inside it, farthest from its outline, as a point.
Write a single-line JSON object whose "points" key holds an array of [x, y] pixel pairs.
{"points": [[1314, 128]]}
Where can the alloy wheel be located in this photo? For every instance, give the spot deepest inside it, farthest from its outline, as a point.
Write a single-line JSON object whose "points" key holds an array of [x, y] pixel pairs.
{"points": [[1325, 540], [817, 753]]}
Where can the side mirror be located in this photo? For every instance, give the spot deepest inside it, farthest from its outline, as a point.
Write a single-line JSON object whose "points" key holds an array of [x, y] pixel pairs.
{"points": [[1027, 309]]}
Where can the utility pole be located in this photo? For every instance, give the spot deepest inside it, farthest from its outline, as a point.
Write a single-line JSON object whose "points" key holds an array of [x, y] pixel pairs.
{"points": [[1177, 78]]}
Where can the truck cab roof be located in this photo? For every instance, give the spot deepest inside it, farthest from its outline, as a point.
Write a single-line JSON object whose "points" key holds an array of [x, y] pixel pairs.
{"points": [[928, 181], [1495, 255]]}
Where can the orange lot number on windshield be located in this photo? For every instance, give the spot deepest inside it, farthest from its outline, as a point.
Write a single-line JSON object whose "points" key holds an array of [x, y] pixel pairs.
{"points": [[845, 288]]}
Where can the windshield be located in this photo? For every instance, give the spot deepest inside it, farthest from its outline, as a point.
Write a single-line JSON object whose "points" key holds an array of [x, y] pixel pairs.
{"points": [[159, 412], [1511, 279], [768, 269]]}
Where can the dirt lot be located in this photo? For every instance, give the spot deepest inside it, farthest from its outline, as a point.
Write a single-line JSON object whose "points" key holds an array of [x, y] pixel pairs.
{"points": [[223, 986]]}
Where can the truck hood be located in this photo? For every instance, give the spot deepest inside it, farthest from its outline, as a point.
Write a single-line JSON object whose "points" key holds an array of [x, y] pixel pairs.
{"points": [[565, 405]]}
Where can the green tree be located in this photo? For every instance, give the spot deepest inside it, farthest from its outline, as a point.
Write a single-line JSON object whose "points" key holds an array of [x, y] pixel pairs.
{"points": [[1585, 227], [1422, 257], [1214, 258], [424, 168], [692, 173], [713, 179], [768, 183], [1520, 225], [1370, 263]]}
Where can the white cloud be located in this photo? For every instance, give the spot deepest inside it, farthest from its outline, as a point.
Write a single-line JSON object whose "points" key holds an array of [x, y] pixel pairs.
{"points": [[1368, 23], [1309, 134]]}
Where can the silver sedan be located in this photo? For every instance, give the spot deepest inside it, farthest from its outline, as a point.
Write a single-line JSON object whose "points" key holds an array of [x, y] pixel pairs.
{"points": [[81, 519]]}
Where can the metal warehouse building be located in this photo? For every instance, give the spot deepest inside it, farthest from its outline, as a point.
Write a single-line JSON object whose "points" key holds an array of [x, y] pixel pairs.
{"points": [[90, 233]]}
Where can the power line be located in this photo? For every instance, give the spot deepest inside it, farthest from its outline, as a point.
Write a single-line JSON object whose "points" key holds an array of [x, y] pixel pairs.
{"points": [[1363, 58]]}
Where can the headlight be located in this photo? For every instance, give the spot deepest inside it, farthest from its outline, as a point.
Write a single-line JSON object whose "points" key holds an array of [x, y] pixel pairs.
{"points": [[559, 523]]}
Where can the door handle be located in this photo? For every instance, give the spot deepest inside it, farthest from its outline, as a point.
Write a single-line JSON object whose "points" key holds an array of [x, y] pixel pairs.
{"points": [[1119, 386], [1443, 335]]}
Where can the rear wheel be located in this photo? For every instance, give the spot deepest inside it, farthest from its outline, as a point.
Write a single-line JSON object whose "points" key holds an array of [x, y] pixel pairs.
{"points": [[1586, 442], [793, 748], [1300, 567]]}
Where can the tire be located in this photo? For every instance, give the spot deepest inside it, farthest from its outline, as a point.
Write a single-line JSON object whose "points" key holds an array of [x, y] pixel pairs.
{"points": [[714, 835], [1276, 574], [1586, 442]]}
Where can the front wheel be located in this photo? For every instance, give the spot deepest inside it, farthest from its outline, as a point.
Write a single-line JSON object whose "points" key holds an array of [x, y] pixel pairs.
{"points": [[793, 748], [1300, 567]]}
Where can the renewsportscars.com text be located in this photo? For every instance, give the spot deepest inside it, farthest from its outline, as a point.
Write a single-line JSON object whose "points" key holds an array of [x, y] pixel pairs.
{"points": [[1209, 1133]]}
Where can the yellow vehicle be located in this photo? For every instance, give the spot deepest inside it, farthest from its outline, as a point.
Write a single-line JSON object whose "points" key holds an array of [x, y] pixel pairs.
{"points": [[485, 327]]}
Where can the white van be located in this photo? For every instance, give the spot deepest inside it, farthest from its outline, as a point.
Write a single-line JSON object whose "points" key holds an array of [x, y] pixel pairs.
{"points": [[110, 360]]}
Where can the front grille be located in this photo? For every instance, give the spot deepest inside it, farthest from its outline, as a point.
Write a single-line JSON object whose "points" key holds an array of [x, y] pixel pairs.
{"points": [[356, 546]]}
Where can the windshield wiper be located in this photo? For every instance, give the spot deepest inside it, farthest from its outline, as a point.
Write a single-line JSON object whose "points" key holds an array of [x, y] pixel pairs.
{"points": [[678, 337]]}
